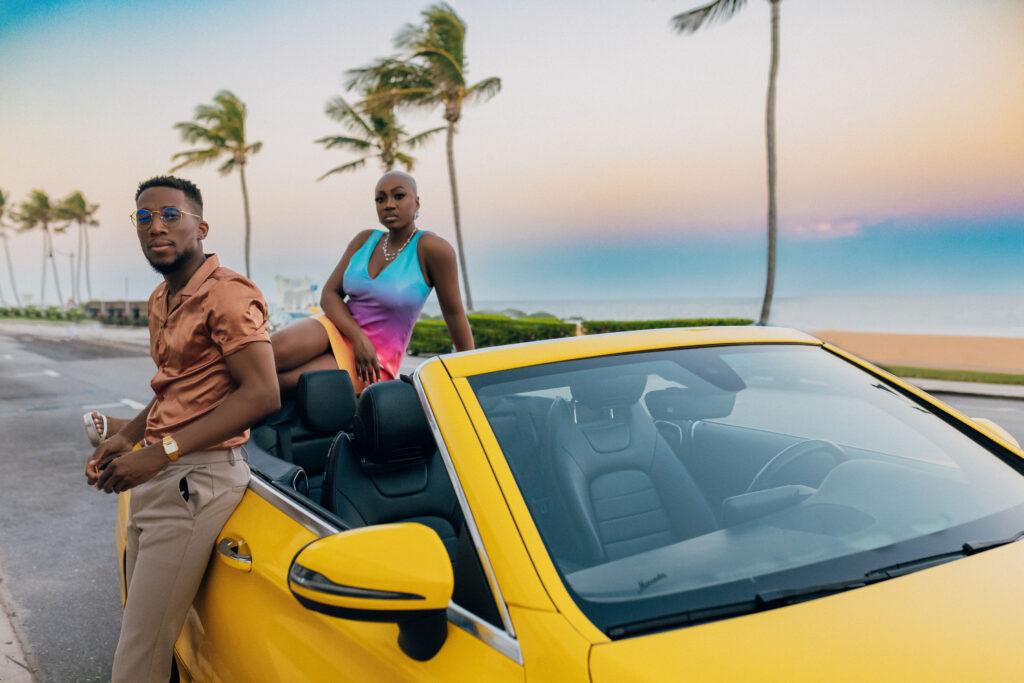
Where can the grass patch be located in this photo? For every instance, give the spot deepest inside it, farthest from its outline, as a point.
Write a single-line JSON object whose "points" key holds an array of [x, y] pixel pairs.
{"points": [[955, 375]]}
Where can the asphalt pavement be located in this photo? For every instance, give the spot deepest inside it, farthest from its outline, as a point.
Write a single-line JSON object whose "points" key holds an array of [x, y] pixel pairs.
{"points": [[60, 607]]}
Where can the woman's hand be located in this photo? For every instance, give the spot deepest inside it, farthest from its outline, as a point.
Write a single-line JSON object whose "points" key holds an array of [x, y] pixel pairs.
{"points": [[365, 357]]}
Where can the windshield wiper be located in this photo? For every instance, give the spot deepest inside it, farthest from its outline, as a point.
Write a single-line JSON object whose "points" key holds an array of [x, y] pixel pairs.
{"points": [[980, 546], [780, 597]]}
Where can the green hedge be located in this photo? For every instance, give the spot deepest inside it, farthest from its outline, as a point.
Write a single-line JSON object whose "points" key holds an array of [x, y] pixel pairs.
{"points": [[48, 313], [599, 326], [430, 335], [113, 317]]}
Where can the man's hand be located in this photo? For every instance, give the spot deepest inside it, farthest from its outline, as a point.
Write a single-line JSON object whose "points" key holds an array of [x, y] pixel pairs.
{"points": [[131, 469], [104, 453]]}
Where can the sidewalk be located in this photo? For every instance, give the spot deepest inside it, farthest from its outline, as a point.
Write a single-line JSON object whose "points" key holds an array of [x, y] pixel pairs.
{"points": [[14, 665], [131, 337], [980, 389]]}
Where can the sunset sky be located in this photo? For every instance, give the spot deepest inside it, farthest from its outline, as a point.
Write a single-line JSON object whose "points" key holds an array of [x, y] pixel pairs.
{"points": [[619, 160]]}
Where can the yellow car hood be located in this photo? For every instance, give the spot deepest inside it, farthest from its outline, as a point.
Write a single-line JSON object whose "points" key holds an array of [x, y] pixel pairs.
{"points": [[961, 621]]}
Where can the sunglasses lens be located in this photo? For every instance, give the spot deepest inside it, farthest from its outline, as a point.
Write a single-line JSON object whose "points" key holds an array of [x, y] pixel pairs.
{"points": [[142, 218], [170, 215]]}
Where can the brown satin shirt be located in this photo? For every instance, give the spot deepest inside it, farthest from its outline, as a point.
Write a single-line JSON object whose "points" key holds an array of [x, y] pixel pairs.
{"points": [[217, 313]]}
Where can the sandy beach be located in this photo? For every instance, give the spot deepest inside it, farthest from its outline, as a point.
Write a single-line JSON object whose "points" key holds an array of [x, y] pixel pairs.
{"points": [[991, 354]]}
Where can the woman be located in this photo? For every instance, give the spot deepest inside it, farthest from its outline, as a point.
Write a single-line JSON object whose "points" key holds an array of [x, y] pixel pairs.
{"points": [[371, 302], [375, 295]]}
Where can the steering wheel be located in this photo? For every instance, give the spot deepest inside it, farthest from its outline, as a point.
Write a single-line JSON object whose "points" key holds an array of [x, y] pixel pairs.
{"points": [[805, 462]]}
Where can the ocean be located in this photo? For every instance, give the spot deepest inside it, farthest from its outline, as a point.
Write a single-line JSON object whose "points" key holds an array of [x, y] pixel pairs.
{"points": [[995, 315]]}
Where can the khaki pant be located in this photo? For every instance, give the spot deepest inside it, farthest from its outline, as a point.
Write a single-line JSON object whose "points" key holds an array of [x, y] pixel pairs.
{"points": [[169, 545]]}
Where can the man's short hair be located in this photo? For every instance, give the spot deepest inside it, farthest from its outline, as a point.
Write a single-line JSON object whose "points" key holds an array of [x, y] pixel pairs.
{"points": [[186, 186]]}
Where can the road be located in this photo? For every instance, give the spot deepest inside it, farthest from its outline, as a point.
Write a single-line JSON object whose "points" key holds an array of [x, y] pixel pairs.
{"points": [[56, 533]]}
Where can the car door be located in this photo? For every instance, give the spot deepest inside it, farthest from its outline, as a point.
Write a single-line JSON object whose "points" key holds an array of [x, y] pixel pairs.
{"points": [[246, 625]]}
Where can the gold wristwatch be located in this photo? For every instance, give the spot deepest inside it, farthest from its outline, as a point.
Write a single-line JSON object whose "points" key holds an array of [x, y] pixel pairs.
{"points": [[171, 448]]}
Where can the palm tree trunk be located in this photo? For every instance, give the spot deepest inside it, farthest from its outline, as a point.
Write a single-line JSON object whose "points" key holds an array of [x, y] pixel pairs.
{"points": [[245, 202], [88, 270], [78, 272], [769, 287], [455, 212], [42, 284], [10, 271], [56, 275]]}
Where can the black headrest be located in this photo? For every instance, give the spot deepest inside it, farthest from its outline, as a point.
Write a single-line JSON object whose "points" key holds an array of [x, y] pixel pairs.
{"points": [[599, 390], [390, 427], [678, 403], [326, 400]]}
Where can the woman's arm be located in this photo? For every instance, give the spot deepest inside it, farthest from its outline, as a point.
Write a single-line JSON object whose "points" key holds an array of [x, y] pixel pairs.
{"points": [[332, 301], [443, 274]]}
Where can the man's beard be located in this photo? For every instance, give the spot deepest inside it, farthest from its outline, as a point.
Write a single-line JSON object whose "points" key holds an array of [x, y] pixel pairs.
{"points": [[167, 268]]}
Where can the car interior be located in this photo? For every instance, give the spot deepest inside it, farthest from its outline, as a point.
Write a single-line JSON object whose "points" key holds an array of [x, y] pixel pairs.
{"points": [[683, 462], [370, 460]]}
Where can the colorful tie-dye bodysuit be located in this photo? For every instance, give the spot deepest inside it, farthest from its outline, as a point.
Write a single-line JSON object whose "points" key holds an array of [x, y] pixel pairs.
{"points": [[387, 306]]}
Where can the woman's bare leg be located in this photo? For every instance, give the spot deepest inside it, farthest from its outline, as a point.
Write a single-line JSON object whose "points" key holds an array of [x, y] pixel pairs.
{"points": [[289, 379], [299, 343]]}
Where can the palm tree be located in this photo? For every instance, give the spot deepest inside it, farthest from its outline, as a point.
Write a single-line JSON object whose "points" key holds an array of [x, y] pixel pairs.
{"points": [[221, 128], [7, 251], [434, 73], [37, 212], [689, 22], [75, 209], [378, 130]]}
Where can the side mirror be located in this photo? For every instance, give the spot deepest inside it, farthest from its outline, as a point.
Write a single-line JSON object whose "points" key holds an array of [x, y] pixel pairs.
{"points": [[397, 573], [993, 429]]}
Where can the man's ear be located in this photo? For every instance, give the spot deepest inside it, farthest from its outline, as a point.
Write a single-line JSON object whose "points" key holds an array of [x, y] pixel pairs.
{"points": [[202, 229]]}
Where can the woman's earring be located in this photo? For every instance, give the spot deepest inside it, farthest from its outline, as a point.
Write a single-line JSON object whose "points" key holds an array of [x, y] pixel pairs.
{"points": [[417, 214]]}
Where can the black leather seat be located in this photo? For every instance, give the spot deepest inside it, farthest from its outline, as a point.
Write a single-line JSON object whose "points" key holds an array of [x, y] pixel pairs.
{"points": [[625, 489], [386, 470], [302, 431]]}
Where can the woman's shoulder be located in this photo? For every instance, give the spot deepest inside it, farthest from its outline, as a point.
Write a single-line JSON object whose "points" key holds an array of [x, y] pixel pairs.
{"points": [[362, 236], [431, 242]]}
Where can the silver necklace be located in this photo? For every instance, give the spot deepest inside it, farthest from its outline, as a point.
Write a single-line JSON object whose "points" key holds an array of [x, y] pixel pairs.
{"points": [[388, 256]]}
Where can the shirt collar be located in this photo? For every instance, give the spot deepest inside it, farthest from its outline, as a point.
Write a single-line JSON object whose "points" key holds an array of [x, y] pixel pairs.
{"points": [[202, 273]]}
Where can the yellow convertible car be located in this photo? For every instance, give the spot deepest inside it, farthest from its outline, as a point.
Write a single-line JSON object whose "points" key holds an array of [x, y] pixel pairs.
{"points": [[709, 504]]}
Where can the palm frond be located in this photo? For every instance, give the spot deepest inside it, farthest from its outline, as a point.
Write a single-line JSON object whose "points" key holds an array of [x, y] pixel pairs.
{"points": [[421, 139], [355, 144], [254, 148], [442, 65], [405, 160], [350, 166], [192, 132], [484, 90], [196, 157], [689, 22]]}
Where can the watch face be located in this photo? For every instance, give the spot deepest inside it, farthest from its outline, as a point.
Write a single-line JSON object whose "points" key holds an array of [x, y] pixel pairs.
{"points": [[171, 448]]}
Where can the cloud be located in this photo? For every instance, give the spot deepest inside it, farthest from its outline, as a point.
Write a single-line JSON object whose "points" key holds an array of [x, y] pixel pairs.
{"points": [[825, 230]]}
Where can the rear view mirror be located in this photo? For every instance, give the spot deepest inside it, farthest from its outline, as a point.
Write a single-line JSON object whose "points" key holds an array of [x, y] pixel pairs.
{"points": [[397, 573]]}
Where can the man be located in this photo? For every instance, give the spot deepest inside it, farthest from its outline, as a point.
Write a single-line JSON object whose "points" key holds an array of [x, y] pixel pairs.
{"points": [[215, 377]]}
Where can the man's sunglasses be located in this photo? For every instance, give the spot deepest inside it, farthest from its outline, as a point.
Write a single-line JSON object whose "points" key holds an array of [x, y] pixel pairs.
{"points": [[142, 219]]}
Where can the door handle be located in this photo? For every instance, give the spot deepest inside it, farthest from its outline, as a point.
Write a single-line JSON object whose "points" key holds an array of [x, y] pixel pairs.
{"points": [[235, 553]]}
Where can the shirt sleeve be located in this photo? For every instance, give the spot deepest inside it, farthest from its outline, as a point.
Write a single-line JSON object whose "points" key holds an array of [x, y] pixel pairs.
{"points": [[237, 315]]}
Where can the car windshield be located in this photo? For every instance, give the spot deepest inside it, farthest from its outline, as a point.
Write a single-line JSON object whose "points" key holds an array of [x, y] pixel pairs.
{"points": [[669, 486]]}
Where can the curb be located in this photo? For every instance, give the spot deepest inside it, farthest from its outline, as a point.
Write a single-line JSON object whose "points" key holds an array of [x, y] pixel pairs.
{"points": [[973, 389], [14, 664]]}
